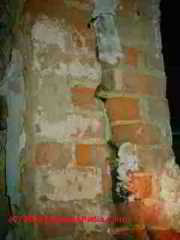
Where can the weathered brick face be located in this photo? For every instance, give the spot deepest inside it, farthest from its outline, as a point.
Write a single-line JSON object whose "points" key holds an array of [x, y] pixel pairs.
{"points": [[138, 133], [122, 109], [54, 155], [97, 138]]}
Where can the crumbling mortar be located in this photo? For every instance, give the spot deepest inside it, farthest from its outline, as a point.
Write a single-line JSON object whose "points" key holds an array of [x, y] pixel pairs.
{"points": [[104, 94], [101, 13]]}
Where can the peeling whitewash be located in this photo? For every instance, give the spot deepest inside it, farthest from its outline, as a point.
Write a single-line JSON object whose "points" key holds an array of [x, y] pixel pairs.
{"points": [[53, 36], [127, 160], [68, 184], [50, 31], [74, 124]]}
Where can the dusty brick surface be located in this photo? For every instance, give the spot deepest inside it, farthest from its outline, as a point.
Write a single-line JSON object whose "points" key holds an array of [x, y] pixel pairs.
{"points": [[107, 179], [132, 83], [137, 133], [127, 9], [155, 110], [53, 155], [84, 98], [54, 230], [154, 158], [142, 84]]}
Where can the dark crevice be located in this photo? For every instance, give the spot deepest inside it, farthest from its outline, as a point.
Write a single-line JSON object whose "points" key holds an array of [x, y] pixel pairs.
{"points": [[122, 195], [98, 89]]}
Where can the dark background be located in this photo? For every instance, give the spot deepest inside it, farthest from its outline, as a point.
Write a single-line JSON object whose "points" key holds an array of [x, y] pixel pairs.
{"points": [[170, 31]]}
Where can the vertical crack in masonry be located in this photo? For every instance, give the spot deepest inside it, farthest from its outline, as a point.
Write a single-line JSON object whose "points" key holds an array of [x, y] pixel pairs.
{"points": [[109, 52]]}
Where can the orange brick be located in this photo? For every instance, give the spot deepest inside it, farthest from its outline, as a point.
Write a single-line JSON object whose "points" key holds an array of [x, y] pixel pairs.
{"points": [[91, 155], [53, 154], [84, 155], [140, 184], [122, 108], [131, 56], [84, 97], [138, 133]]}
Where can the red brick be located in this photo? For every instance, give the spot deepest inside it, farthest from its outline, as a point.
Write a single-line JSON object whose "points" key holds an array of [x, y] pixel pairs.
{"points": [[53, 154], [138, 133], [122, 108], [140, 184], [84, 98], [164, 234], [154, 214], [91, 155]]}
